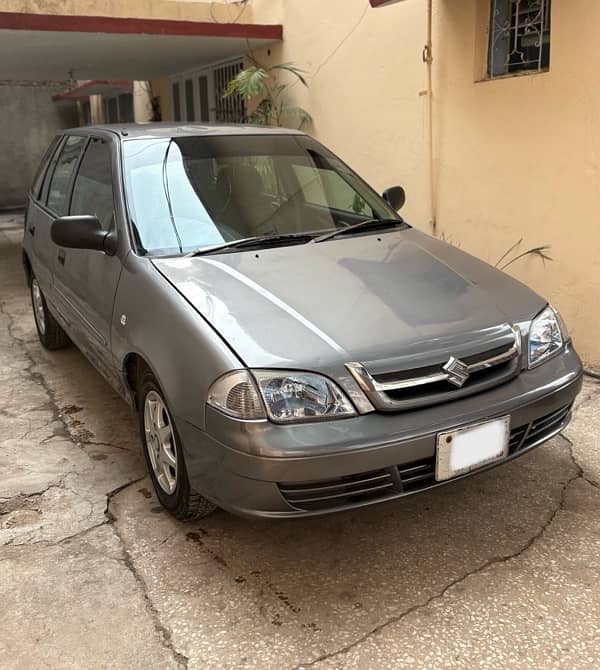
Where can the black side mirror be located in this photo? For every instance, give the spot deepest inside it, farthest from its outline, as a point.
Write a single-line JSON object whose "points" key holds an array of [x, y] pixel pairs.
{"points": [[82, 232], [395, 197]]}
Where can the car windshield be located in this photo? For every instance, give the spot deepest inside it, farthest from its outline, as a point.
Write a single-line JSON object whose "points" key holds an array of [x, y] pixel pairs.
{"points": [[191, 192]]}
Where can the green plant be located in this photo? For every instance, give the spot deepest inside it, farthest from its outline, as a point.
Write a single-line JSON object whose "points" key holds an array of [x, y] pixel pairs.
{"points": [[258, 84], [540, 252], [358, 204]]}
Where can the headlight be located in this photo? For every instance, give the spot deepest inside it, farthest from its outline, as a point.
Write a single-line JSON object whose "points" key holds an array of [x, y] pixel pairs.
{"points": [[547, 336], [287, 396], [301, 396]]}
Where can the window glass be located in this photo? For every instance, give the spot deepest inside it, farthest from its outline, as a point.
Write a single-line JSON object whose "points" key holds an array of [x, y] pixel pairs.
{"points": [[38, 181], [189, 99], [93, 188], [327, 188], [112, 108], [203, 88], [519, 36], [191, 192], [126, 108], [176, 102], [59, 185], [86, 111]]}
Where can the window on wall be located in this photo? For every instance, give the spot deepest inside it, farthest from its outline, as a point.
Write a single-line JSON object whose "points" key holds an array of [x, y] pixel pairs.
{"points": [[176, 102], [112, 110], [230, 109], [118, 108], [204, 105], [198, 96], [189, 100], [519, 37], [125, 101]]}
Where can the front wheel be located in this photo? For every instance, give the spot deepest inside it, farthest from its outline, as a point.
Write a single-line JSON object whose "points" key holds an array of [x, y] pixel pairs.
{"points": [[164, 456], [51, 335]]}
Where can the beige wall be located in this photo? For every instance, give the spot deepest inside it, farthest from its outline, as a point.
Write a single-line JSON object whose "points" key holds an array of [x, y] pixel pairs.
{"points": [[189, 10], [367, 99], [514, 158], [520, 157]]}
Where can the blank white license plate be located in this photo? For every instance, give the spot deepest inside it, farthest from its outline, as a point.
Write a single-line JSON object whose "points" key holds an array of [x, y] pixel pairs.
{"points": [[469, 448]]}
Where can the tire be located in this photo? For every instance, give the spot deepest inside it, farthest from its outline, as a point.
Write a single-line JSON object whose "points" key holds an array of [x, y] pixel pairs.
{"points": [[164, 455], [51, 335]]}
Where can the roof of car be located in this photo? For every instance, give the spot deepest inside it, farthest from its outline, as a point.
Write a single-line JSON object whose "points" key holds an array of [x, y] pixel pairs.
{"points": [[150, 130]]}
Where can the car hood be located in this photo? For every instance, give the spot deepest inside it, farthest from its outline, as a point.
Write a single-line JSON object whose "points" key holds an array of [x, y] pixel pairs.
{"points": [[365, 298]]}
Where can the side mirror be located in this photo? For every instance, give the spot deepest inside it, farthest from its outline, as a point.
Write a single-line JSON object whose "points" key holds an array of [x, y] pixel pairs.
{"points": [[82, 232], [395, 197]]}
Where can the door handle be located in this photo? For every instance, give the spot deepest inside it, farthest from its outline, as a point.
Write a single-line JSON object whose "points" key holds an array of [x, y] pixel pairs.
{"points": [[61, 256], [32, 230]]}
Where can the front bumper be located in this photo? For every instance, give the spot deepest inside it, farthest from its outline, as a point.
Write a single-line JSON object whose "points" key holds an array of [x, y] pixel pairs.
{"points": [[261, 469]]}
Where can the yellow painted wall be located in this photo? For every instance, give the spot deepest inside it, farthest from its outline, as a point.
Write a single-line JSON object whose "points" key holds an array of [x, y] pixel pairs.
{"points": [[519, 157], [514, 158]]}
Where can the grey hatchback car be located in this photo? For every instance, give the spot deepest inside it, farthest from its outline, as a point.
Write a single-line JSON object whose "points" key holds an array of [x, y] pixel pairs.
{"points": [[291, 345]]}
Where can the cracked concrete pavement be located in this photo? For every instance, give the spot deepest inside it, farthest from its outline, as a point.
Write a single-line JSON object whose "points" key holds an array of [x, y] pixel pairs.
{"points": [[497, 571]]}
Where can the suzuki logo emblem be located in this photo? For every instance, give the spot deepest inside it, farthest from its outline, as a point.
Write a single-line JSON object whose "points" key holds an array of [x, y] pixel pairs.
{"points": [[456, 371]]}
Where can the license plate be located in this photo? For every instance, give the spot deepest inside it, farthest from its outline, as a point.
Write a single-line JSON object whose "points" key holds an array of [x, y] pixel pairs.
{"points": [[471, 447]]}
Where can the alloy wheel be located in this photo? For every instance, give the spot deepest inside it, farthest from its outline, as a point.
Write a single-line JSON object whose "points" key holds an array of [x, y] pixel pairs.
{"points": [[38, 306], [160, 442]]}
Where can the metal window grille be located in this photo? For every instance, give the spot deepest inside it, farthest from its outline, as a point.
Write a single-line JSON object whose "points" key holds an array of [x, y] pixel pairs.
{"points": [[519, 37], [176, 102], [231, 109], [204, 99]]}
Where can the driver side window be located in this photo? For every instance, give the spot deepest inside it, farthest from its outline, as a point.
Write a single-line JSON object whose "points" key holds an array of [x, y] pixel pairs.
{"points": [[93, 189]]}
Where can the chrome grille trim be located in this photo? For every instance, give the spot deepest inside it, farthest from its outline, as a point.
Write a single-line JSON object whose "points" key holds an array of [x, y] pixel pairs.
{"points": [[375, 389]]}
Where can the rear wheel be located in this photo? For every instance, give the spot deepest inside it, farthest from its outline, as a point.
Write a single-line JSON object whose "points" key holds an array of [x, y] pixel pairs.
{"points": [[51, 335], [164, 455]]}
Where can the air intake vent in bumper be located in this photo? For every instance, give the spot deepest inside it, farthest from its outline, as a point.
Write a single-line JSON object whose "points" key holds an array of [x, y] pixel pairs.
{"points": [[379, 485]]}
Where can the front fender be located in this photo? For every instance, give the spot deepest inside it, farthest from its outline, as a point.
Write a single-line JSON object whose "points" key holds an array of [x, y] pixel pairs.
{"points": [[153, 320]]}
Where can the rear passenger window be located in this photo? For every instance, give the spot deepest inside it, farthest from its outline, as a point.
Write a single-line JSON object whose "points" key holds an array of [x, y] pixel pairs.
{"points": [[59, 186], [93, 190], [36, 189]]}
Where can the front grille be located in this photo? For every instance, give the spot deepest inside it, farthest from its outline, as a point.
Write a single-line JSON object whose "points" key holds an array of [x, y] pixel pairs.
{"points": [[377, 485], [445, 378], [444, 390]]}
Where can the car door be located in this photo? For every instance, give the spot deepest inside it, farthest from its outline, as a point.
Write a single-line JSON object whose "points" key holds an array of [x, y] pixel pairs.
{"points": [[35, 212], [50, 202], [85, 281]]}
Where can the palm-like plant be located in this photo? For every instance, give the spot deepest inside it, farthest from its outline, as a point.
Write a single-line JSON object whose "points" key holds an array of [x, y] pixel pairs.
{"points": [[259, 84]]}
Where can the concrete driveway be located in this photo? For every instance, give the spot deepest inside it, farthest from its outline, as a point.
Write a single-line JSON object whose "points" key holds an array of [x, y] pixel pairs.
{"points": [[498, 571]]}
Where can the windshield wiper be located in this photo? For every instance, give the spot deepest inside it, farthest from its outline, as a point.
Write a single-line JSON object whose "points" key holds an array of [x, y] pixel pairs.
{"points": [[248, 242], [358, 227]]}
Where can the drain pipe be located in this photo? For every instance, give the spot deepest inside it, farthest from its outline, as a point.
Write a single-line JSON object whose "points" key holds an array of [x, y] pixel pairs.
{"points": [[428, 60]]}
